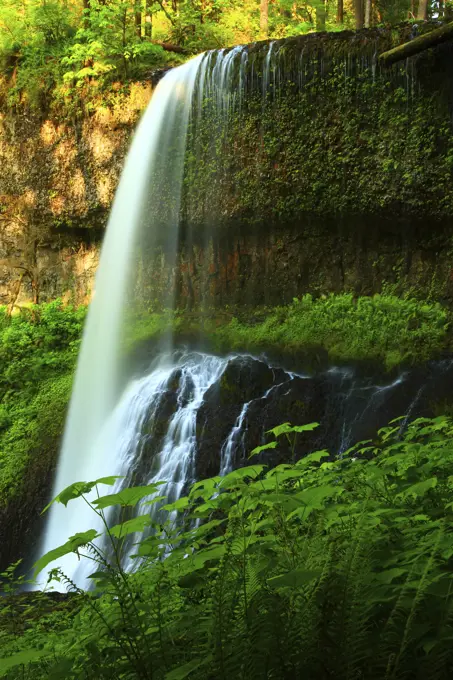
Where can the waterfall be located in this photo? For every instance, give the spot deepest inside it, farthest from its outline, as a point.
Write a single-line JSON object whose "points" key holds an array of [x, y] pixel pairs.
{"points": [[143, 425], [155, 149], [167, 398], [229, 448]]}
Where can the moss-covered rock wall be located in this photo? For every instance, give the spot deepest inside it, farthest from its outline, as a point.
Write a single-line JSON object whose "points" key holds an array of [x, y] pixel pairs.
{"points": [[322, 128], [332, 174], [314, 169]]}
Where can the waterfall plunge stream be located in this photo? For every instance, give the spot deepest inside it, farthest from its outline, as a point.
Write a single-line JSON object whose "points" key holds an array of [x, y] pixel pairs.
{"points": [[114, 416], [90, 446]]}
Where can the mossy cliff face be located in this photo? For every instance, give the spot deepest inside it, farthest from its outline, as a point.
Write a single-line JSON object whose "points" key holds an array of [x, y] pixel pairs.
{"points": [[321, 172], [57, 182], [335, 137], [322, 128]]}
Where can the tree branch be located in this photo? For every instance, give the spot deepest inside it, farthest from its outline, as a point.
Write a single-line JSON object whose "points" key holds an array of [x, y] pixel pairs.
{"points": [[423, 42]]}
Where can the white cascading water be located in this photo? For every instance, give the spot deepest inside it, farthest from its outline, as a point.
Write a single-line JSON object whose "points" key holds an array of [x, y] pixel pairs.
{"points": [[124, 434], [86, 453]]}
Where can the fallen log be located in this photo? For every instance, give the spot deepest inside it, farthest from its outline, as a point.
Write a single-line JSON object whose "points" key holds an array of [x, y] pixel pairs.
{"points": [[417, 45], [169, 47]]}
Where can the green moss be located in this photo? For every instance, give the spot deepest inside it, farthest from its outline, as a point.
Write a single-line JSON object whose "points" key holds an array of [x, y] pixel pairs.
{"points": [[38, 351], [382, 328], [31, 438], [337, 136]]}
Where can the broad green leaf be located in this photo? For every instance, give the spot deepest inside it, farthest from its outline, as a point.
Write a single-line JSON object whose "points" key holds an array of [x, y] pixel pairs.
{"points": [[180, 504], [155, 500], [285, 428], [131, 526], [265, 447], [430, 644], [294, 579], [204, 488], [252, 471], [127, 497], [78, 489], [389, 575], [199, 558], [186, 669], [72, 545], [283, 475], [203, 529], [420, 488], [102, 576], [205, 507], [288, 501], [314, 457], [23, 658], [315, 496], [305, 428]]}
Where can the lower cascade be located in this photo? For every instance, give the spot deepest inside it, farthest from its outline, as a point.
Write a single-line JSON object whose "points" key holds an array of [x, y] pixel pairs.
{"points": [[170, 425]]}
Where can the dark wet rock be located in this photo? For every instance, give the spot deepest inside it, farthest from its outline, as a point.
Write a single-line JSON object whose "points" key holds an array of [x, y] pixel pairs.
{"points": [[244, 379], [298, 401], [348, 407]]}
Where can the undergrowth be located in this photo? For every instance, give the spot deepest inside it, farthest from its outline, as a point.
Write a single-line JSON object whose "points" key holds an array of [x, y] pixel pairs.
{"points": [[38, 351], [382, 328], [320, 569]]}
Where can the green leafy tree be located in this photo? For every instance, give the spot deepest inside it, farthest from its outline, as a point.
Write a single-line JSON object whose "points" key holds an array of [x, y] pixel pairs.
{"points": [[109, 42]]}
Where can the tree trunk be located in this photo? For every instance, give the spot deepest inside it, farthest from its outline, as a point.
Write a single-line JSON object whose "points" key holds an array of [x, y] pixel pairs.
{"points": [[264, 18], [321, 16], [340, 12], [138, 19], [422, 13], [16, 286], [423, 42], [86, 6], [169, 47], [358, 12], [148, 19], [367, 13]]}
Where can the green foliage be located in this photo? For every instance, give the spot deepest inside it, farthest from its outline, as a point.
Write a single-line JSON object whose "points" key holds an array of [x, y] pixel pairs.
{"points": [[53, 52], [383, 328], [38, 351], [106, 46], [36, 344], [33, 38], [313, 569]]}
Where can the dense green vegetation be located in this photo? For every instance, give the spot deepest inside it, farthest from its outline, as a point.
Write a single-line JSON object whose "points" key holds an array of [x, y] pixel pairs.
{"points": [[52, 51], [321, 568], [383, 328], [38, 350]]}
